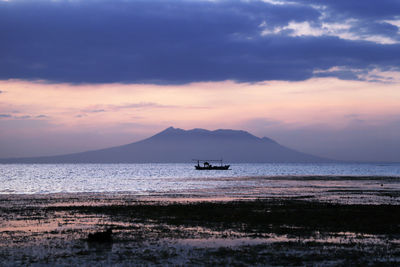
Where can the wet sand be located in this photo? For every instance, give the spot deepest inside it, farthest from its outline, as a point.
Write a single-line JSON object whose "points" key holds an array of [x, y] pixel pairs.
{"points": [[188, 230]]}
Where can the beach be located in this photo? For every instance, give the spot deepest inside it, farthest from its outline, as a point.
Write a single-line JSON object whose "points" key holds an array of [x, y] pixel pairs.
{"points": [[199, 133], [53, 229]]}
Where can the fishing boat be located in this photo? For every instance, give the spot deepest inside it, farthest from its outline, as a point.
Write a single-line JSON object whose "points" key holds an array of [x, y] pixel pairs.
{"points": [[205, 165]]}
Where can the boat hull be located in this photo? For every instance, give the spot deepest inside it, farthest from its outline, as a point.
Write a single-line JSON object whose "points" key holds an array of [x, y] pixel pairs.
{"points": [[225, 167]]}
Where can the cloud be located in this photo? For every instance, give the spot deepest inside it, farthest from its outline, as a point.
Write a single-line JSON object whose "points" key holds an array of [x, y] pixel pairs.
{"points": [[366, 9], [140, 105], [341, 72], [382, 33], [177, 41], [95, 110], [23, 117], [41, 116]]}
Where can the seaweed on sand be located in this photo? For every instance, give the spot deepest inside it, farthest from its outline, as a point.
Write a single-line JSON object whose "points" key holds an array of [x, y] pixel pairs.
{"points": [[280, 216]]}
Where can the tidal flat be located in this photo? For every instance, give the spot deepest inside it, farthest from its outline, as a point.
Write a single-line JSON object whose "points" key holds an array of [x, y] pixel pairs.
{"points": [[40, 230]]}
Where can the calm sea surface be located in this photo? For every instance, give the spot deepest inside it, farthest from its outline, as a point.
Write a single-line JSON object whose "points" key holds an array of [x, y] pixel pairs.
{"points": [[243, 180]]}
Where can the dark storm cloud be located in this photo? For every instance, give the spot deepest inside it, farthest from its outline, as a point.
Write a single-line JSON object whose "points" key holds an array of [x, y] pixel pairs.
{"points": [[184, 41]]}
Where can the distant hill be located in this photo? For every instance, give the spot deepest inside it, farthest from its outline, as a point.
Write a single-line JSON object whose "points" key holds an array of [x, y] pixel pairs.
{"points": [[177, 145]]}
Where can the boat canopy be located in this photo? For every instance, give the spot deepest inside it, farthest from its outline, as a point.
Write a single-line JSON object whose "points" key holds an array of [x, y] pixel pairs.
{"points": [[207, 161]]}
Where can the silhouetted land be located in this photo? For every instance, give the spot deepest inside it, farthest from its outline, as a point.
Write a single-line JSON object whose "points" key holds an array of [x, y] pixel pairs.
{"points": [[177, 145], [54, 230]]}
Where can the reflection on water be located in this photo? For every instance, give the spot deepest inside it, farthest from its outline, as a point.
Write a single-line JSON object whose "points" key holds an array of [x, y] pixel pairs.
{"points": [[374, 182]]}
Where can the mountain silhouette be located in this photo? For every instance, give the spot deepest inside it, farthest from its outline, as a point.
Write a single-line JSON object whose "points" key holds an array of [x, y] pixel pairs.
{"points": [[175, 145]]}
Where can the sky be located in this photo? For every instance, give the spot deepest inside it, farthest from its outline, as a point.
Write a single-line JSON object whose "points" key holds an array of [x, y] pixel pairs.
{"points": [[322, 77]]}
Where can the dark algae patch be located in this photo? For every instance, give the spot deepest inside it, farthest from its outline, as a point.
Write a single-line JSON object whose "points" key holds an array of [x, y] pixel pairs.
{"points": [[263, 232], [259, 215]]}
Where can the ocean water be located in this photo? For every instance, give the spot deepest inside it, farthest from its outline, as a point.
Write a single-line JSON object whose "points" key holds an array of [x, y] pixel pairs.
{"points": [[242, 180]]}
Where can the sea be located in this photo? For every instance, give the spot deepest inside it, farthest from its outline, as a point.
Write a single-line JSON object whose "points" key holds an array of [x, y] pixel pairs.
{"points": [[338, 182]]}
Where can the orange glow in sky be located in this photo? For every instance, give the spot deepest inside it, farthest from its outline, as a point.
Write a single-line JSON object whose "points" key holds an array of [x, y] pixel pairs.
{"points": [[209, 105], [136, 111]]}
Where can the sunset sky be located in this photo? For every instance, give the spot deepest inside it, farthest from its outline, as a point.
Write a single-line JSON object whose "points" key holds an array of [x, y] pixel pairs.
{"points": [[321, 77]]}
